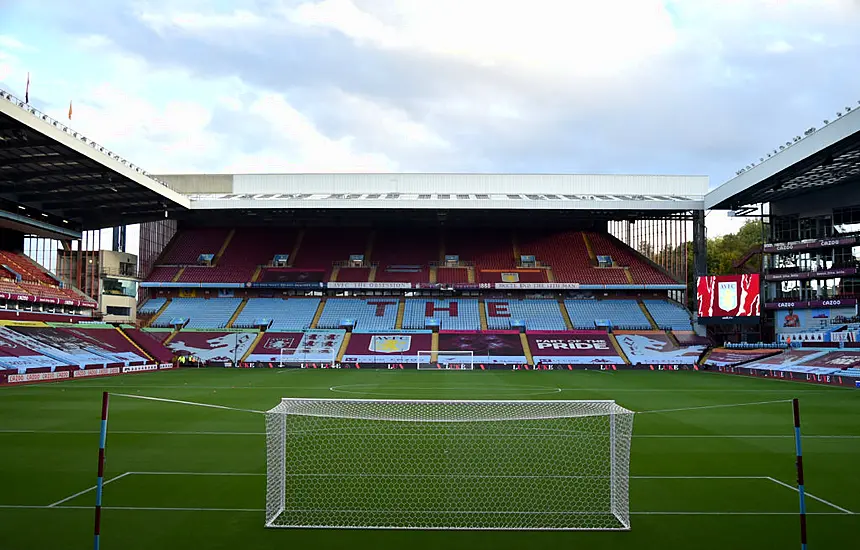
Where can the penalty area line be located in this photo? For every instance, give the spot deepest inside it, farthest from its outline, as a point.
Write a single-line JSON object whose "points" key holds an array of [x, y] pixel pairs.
{"points": [[813, 497], [85, 491]]}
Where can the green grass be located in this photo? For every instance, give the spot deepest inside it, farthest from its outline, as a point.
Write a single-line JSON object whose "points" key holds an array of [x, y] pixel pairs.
{"points": [[701, 478]]}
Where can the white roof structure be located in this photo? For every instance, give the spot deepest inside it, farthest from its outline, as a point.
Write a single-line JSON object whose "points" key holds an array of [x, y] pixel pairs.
{"points": [[444, 191]]}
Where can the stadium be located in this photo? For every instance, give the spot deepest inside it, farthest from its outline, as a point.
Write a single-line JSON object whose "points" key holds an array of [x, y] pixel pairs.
{"points": [[542, 304]]}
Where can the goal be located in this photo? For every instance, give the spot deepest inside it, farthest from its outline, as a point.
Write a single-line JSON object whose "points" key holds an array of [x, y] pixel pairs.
{"points": [[323, 357], [450, 360], [397, 464]]}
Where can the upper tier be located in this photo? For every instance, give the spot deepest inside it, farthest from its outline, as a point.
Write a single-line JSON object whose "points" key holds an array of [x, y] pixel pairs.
{"points": [[404, 255]]}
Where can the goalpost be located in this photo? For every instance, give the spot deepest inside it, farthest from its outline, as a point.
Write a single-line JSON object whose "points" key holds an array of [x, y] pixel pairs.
{"points": [[446, 360], [296, 356], [423, 464]]}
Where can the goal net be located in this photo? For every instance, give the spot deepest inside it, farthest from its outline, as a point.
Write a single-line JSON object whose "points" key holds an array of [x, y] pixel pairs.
{"points": [[394, 464], [305, 357], [451, 360]]}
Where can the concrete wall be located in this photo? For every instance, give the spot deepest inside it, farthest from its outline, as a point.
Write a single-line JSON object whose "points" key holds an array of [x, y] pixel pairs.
{"points": [[189, 184]]}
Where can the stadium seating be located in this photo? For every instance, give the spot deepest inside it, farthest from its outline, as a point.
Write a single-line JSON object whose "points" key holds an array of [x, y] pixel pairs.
{"points": [[622, 314], [286, 315], [641, 271], [460, 314], [368, 315], [150, 344], [404, 255], [537, 314], [568, 256], [26, 267], [450, 275], [487, 249], [322, 247], [201, 313], [163, 274], [353, 274], [151, 306], [247, 250], [668, 315], [189, 244]]}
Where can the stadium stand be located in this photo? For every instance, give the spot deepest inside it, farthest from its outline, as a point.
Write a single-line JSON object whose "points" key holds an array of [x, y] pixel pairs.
{"points": [[536, 314], [487, 249], [368, 315], [322, 247], [568, 256], [163, 274], [641, 271], [26, 268], [404, 255], [450, 275], [200, 313], [150, 344], [669, 315], [151, 306], [285, 315], [621, 314], [461, 314], [189, 244]]}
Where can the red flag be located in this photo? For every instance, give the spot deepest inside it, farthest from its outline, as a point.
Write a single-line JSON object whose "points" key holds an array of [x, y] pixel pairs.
{"points": [[70, 110], [27, 90]]}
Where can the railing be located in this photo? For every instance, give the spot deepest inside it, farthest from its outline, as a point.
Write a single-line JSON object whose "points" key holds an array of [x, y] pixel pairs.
{"points": [[111, 272], [60, 126]]}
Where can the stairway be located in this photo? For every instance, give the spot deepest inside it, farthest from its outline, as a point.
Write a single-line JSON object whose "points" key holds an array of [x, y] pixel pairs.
{"points": [[237, 312], [565, 314], [253, 344], [648, 315], [482, 312], [159, 312], [401, 310], [299, 238], [527, 349], [618, 349], [318, 314]]}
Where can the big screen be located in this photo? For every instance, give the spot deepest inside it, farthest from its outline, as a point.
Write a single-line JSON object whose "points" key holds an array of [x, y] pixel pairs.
{"points": [[729, 297]]}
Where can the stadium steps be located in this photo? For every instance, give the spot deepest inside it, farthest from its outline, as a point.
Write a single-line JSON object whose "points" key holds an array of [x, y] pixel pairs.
{"points": [[434, 347], [550, 276], [256, 274], [319, 313], [254, 344], [482, 314], [133, 343], [159, 312], [589, 248], [673, 338], [237, 312], [368, 249], [515, 247], [470, 273], [169, 338], [646, 312], [441, 257], [618, 349], [527, 349], [401, 310], [565, 315], [224, 246], [345, 344], [299, 238], [178, 274], [704, 357], [335, 271], [371, 275], [630, 280], [433, 274]]}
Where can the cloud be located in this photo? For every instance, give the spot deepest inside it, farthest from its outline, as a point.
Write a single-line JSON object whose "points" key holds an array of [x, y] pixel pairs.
{"points": [[617, 86]]}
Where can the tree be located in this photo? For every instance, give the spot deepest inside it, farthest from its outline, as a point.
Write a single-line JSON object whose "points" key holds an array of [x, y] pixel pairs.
{"points": [[737, 252]]}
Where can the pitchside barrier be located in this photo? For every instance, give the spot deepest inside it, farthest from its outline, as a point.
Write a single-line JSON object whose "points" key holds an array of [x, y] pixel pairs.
{"points": [[827, 379], [66, 374]]}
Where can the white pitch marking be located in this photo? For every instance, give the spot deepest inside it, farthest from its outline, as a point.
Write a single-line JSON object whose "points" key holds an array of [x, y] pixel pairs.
{"points": [[85, 491], [813, 497]]}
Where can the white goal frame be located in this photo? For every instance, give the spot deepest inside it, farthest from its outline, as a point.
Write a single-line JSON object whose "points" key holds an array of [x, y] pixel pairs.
{"points": [[467, 364], [420, 464], [303, 358]]}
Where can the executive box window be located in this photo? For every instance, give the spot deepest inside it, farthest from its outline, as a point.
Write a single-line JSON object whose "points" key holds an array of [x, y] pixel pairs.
{"points": [[120, 311], [846, 220]]}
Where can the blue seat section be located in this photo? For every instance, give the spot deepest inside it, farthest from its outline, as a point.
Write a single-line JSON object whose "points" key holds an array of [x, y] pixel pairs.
{"points": [[669, 315], [536, 314], [623, 314], [201, 313], [286, 315], [151, 306], [460, 314], [369, 315]]}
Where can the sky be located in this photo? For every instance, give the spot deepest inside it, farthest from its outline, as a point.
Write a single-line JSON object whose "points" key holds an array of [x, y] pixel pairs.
{"points": [[694, 87]]}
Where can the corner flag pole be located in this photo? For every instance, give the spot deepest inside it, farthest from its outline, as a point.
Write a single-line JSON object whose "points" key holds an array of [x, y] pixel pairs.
{"points": [[800, 488], [101, 478]]}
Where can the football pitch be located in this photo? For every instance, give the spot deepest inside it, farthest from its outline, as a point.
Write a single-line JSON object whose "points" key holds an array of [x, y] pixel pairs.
{"points": [[703, 475]]}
